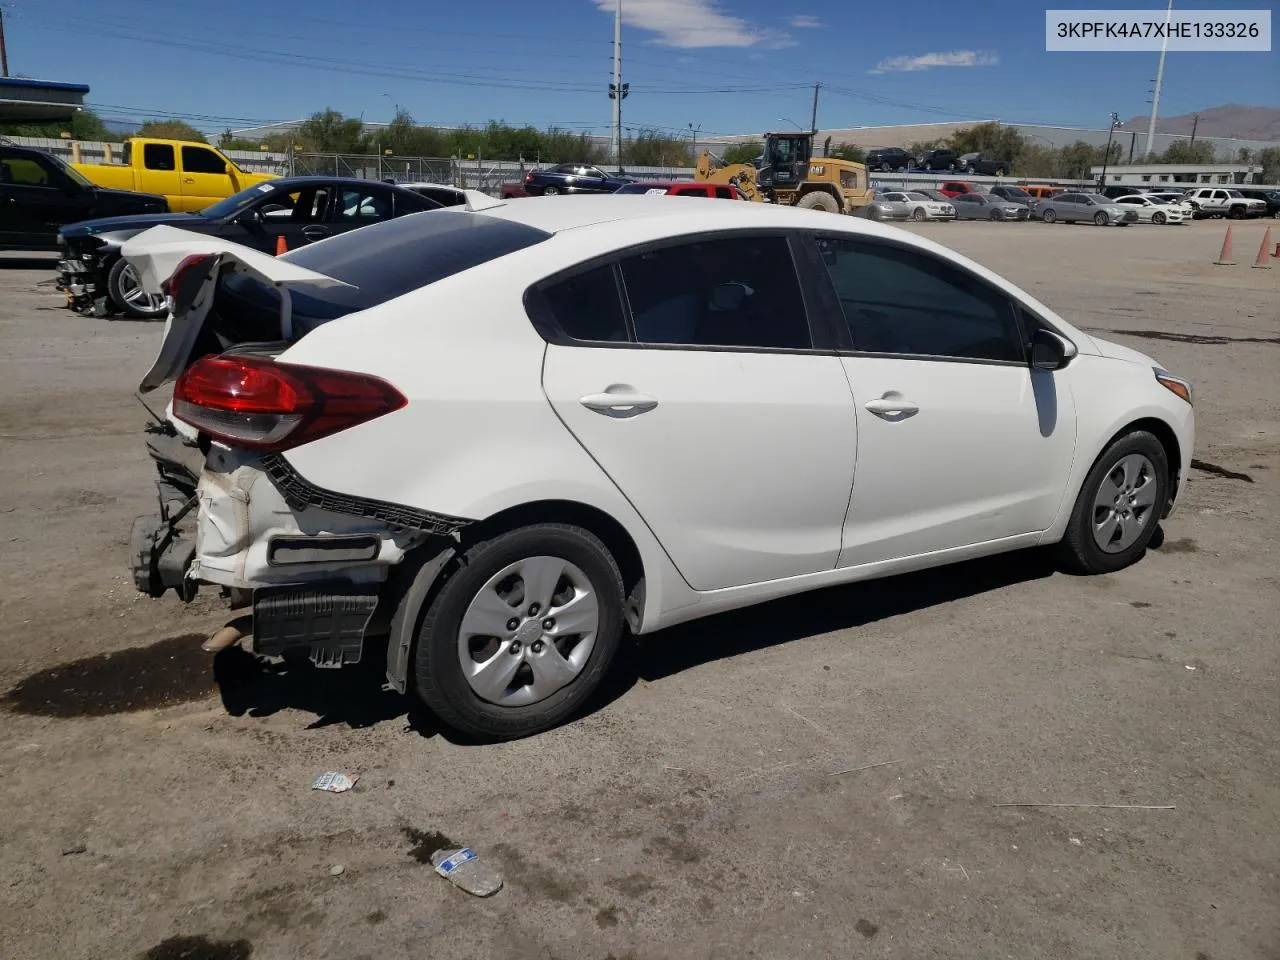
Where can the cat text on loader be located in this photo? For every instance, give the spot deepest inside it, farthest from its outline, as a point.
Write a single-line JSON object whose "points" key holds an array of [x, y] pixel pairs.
{"points": [[787, 173]]}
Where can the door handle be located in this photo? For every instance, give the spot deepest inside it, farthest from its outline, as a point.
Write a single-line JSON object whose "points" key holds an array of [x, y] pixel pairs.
{"points": [[892, 404], [621, 402], [315, 232], [188, 180]]}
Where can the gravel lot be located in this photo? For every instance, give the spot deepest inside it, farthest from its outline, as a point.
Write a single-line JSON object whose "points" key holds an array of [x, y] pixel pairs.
{"points": [[157, 803]]}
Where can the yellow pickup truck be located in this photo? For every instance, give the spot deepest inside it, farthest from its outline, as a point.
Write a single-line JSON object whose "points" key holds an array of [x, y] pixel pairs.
{"points": [[191, 176]]}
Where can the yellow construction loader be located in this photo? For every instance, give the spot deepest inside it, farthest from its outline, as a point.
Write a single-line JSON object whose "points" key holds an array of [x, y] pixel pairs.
{"points": [[788, 173]]}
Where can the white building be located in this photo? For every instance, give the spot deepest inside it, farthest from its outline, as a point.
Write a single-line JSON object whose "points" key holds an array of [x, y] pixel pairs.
{"points": [[1149, 174]]}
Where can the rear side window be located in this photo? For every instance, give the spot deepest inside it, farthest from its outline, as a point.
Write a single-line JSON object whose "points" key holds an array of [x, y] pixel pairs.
{"points": [[158, 156], [739, 292], [587, 307]]}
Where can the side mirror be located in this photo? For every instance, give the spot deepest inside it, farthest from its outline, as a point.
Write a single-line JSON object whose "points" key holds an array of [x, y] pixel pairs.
{"points": [[1049, 351], [727, 297]]}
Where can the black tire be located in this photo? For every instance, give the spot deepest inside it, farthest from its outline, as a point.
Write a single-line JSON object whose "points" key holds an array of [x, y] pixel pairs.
{"points": [[918, 214], [550, 191], [1238, 213], [117, 295], [996, 215], [1048, 216], [438, 677], [1159, 218], [1101, 219], [1078, 551], [970, 170], [818, 200]]}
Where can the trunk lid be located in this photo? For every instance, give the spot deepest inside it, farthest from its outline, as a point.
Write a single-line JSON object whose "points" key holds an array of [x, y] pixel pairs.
{"points": [[157, 252]]}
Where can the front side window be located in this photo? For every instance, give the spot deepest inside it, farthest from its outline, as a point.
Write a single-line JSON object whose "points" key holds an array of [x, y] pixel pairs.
{"points": [[26, 172], [898, 301], [202, 160], [739, 292], [158, 156]]}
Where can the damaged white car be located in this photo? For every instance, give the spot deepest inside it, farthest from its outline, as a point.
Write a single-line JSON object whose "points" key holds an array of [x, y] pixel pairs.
{"points": [[494, 438]]}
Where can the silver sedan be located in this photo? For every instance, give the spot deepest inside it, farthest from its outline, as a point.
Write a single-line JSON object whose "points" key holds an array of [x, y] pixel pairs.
{"points": [[1075, 207], [985, 206], [881, 209]]}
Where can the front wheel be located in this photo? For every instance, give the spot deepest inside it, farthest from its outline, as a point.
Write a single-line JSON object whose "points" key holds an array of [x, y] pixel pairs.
{"points": [[124, 290], [1100, 218], [970, 170], [996, 215], [918, 214], [1158, 217], [1048, 216], [550, 191], [817, 200], [1119, 506], [521, 632]]}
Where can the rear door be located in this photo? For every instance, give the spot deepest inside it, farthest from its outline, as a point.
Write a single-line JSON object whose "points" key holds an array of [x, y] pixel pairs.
{"points": [[960, 442], [708, 399], [204, 177]]}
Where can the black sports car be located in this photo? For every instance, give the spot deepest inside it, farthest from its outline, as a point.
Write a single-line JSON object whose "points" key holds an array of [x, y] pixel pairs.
{"points": [[571, 178], [290, 211]]}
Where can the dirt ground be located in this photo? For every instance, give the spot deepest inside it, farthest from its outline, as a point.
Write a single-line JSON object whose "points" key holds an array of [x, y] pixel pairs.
{"points": [[819, 777]]}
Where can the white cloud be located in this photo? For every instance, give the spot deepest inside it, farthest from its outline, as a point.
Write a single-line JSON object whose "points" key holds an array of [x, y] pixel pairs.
{"points": [[804, 21], [927, 61], [695, 23]]}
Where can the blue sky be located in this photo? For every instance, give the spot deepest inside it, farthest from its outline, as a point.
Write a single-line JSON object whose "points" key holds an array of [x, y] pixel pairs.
{"points": [[729, 66]]}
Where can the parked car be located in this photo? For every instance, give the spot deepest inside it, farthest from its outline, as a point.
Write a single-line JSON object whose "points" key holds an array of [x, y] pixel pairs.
{"points": [[1153, 211], [571, 178], [938, 159], [1073, 207], [982, 163], [1013, 194], [986, 206], [682, 188], [921, 207], [39, 193], [936, 195], [190, 176], [1225, 202], [295, 210], [885, 159], [1116, 190], [881, 208], [509, 536], [442, 193], [1269, 197], [956, 188]]}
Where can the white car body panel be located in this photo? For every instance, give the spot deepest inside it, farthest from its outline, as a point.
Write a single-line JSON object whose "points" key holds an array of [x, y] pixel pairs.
{"points": [[933, 209], [1147, 210], [774, 515]]}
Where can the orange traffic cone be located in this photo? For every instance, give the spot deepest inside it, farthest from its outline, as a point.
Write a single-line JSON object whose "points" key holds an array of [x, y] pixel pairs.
{"points": [[1263, 253], [1224, 258], [282, 247]]}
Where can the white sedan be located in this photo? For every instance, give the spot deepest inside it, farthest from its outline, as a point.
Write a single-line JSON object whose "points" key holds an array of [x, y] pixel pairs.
{"points": [[1154, 210], [921, 206], [497, 437]]}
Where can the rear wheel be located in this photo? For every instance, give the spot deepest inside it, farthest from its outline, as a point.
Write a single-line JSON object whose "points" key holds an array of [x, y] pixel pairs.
{"points": [[1100, 218], [521, 632], [918, 214], [817, 200], [1000, 172], [1119, 506], [124, 290]]}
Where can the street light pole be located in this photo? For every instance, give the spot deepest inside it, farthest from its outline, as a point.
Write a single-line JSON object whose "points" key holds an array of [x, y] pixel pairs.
{"points": [[792, 122], [693, 149], [1115, 122]]}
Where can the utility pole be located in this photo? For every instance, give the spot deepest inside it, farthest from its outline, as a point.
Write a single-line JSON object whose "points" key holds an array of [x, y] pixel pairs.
{"points": [[4, 51], [1159, 81], [1195, 122], [694, 148], [813, 123], [617, 90]]}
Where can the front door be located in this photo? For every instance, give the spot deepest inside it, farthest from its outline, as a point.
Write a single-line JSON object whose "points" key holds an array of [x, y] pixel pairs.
{"points": [[298, 215], [36, 198], [960, 442], [205, 180], [704, 401]]}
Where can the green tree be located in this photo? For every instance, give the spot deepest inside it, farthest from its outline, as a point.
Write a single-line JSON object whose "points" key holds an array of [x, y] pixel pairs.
{"points": [[170, 130], [650, 148], [848, 151], [1183, 151], [1074, 160], [1269, 160], [328, 131], [1038, 161], [741, 153], [994, 139]]}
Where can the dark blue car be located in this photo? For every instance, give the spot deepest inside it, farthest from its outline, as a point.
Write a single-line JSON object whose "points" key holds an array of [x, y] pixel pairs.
{"points": [[571, 178]]}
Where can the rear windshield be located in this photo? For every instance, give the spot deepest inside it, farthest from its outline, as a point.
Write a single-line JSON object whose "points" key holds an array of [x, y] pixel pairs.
{"points": [[381, 262]]}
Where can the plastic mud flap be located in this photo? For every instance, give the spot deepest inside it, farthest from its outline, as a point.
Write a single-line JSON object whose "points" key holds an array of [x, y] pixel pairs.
{"points": [[328, 619]]}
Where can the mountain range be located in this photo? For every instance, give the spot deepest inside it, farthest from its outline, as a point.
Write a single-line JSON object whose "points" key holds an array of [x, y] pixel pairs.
{"points": [[1229, 120]]}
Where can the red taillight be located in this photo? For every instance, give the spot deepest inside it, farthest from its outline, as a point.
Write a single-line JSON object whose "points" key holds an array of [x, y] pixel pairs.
{"points": [[170, 287], [264, 405], [528, 177]]}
